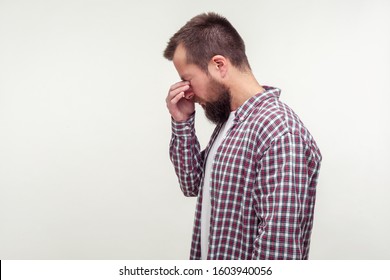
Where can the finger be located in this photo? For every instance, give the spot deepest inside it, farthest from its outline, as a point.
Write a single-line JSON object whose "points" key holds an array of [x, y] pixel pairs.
{"points": [[177, 98], [176, 91], [179, 85]]}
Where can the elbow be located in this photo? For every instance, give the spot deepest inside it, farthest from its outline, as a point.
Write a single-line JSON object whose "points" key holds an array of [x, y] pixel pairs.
{"points": [[189, 192]]}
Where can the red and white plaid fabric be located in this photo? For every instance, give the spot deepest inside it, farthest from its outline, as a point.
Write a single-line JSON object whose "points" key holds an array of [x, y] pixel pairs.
{"points": [[263, 182]]}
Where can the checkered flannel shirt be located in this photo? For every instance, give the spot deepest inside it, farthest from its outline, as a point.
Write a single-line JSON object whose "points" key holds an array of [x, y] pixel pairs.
{"points": [[263, 182]]}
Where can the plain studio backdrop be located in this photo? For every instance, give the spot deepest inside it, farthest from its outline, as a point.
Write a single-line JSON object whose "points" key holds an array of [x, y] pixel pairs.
{"points": [[84, 129]]}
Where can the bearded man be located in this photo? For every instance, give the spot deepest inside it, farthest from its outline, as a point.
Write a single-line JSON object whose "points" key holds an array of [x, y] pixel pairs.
{"points": [[255, 182]]}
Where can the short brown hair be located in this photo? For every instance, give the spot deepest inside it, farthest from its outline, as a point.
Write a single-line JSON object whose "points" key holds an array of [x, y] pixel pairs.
{"points": [[206, 35]]}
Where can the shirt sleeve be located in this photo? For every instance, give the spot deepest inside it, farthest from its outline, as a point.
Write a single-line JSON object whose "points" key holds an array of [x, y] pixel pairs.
{"points": [[284, 200], [186, 156]]}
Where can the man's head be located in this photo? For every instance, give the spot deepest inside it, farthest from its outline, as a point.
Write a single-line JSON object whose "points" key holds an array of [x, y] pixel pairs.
{"points": [[202, 50], [207, 35]]}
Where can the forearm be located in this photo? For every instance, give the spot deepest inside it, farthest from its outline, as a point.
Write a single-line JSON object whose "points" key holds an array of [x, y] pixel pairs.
{"points": [[186, 156]]}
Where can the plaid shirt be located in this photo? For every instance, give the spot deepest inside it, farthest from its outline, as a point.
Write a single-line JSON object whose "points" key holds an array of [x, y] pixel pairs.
{"points": [[263, 182]]}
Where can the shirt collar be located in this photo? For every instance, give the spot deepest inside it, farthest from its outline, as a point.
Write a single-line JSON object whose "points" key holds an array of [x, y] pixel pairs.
{"points": [[246, 109]]}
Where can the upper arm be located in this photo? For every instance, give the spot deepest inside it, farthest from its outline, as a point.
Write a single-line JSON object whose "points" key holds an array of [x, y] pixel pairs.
{"points": [[283, 200]]}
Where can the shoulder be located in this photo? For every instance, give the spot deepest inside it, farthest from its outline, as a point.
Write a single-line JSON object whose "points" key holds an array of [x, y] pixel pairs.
{"points": [[274, 119]]}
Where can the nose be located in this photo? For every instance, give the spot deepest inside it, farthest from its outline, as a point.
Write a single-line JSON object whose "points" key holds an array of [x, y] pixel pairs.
{"points": [[189, 94]]}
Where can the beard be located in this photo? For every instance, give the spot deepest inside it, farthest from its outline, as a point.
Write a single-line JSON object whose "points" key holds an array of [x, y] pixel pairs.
{"points": [[218, 111]]}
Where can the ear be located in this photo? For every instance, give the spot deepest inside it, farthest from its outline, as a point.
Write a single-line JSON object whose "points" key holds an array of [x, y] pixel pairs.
{"points": [[218, 65]]}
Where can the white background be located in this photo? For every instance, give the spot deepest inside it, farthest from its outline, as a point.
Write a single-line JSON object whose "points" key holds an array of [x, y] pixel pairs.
{"points": [[271, 270], [84, 131]]}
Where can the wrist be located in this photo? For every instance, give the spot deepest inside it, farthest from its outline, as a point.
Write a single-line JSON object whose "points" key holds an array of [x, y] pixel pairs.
{"points": [[183, 119], [184, 127]]}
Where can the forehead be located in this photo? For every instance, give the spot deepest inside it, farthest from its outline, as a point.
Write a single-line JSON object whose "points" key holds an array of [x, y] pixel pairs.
{"points": [[180, 58], [180, 61], [180, 54]]}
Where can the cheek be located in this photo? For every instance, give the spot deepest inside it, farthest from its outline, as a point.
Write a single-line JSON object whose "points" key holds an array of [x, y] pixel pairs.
{"points": [[198, 90]]}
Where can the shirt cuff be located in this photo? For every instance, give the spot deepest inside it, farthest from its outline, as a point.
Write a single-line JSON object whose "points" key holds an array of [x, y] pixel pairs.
{"points": [[184, 128]]}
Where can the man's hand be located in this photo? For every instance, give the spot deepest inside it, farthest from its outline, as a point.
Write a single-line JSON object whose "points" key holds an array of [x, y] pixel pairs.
{"points": [[180, 101]]}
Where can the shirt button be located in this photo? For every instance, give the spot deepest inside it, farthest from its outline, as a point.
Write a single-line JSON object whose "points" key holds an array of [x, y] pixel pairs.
{"points": [[187, 127], [242, 119]]}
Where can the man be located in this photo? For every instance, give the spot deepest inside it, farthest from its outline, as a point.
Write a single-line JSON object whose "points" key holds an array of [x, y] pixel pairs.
{"points": [[256, 180]]}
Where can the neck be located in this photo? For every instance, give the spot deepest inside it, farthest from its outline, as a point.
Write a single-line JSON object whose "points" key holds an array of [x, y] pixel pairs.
{"points": [[242, 87]]}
